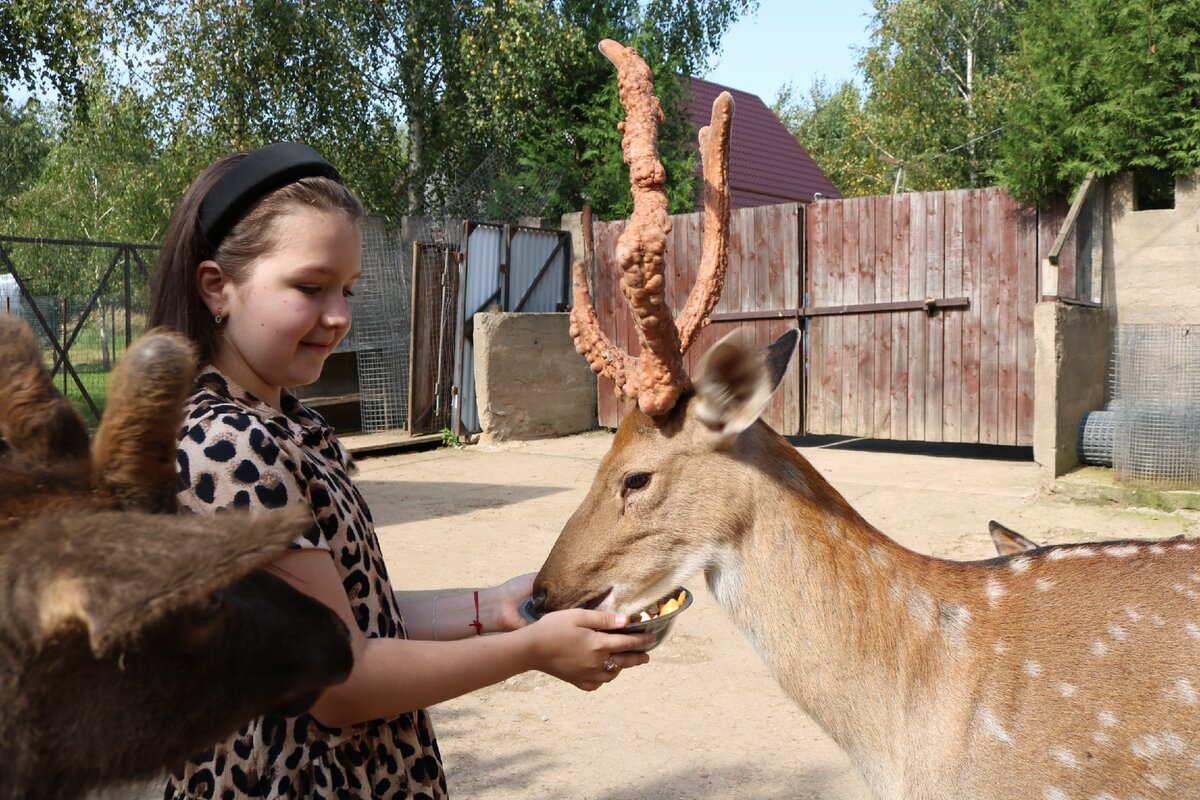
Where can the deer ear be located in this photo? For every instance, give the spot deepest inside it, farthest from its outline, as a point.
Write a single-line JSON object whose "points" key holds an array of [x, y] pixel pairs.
{"points": [[116, 586], [734, 382]]}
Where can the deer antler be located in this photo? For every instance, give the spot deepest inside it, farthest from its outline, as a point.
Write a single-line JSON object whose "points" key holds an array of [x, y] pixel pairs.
{"points": [[656, 378]]}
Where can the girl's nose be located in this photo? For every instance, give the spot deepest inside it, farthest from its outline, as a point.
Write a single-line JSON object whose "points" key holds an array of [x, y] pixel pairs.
{"points": [[337, 315]]}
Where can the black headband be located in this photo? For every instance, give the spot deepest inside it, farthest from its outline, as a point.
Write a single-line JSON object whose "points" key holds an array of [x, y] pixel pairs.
{"points": [[255, 176]]}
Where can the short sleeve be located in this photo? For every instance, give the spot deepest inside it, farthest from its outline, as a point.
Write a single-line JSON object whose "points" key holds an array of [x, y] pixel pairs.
{"points": [[229, 459]]}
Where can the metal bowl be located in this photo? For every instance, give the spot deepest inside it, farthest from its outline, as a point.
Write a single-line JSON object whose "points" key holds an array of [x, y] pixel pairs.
{"points": [[660, 626]]}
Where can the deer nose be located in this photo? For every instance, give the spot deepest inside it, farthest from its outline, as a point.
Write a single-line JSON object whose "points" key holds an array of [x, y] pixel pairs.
{"points": [[538, 606]]}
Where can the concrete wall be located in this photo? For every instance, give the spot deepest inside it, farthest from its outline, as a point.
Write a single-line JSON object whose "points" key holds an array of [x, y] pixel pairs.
{"points": [[529, 381], [1155, 256], [1072, 346]]}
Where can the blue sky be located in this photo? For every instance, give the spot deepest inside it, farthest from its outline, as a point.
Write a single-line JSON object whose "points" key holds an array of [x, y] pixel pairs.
{"points": [[792, 41]]}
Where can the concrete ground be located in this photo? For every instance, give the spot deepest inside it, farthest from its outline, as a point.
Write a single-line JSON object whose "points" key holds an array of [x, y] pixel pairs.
{"points": [[703, 719]]}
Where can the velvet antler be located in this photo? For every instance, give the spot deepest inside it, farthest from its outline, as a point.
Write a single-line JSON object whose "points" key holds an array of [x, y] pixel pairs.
{"points": [[656, 378]]}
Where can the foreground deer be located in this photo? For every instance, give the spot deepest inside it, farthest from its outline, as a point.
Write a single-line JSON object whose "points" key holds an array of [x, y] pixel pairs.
{"points": [[130, 640], [1069, 672]]}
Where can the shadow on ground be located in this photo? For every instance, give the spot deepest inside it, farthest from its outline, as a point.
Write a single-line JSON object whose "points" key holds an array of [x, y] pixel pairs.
{"points": [[398, 502], [988, 452]]}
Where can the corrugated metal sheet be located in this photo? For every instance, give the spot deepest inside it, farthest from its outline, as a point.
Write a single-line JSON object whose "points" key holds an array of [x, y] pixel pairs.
{"points": [[537, 266], [533, 254]]}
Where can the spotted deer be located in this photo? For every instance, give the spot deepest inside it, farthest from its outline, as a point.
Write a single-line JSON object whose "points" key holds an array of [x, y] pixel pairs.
{"points": [[1069, 672]]}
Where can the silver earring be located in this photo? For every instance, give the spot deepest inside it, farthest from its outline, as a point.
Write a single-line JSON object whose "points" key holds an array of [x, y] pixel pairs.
{"points": [[218, 319]]}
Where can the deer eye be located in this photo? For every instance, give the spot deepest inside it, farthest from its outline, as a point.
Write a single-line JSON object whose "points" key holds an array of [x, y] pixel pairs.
{"points": [[634, 481]]}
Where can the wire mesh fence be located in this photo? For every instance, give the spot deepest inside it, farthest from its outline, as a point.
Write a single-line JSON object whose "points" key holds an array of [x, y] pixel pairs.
{"points": [[1156, 391], [85, 302]]}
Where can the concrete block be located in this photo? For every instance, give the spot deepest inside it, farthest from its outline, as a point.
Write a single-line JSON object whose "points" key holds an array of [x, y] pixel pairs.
{"points": [[529, 381]]}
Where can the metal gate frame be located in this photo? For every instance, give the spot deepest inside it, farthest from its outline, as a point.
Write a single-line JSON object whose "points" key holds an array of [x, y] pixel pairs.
{"points": [[500, 262]]}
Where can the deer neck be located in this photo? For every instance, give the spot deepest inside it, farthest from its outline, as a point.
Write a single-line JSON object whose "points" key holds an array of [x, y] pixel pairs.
{"points": [[853, 626]]}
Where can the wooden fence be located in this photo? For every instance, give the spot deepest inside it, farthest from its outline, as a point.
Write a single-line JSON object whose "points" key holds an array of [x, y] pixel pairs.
{"points": [[918, 309]]}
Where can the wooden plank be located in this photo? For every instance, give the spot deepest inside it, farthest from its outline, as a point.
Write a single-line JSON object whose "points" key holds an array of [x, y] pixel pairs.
{"points": [[943, 276], [1027, 265], [989, 300], [971, 324], [848, 368], [815, 338], [881, 351], [901, 232], [1006, 427], [917, 335], [864, 372], [828, 285]]}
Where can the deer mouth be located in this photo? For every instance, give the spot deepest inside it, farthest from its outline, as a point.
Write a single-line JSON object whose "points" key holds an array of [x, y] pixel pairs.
{"points": [[604, 598]]}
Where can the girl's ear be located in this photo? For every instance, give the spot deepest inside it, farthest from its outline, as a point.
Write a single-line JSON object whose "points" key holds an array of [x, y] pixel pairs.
{"points": [[213, 286]]}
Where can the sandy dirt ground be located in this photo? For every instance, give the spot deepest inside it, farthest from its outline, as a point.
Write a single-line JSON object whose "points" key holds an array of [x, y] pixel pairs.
{"points": [[703, 719]]}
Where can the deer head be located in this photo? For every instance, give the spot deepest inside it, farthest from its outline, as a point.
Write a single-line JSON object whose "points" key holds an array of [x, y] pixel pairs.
{"points": [[677, 435]]}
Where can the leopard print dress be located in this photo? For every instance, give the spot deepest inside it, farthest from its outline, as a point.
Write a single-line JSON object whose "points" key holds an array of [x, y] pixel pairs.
{"points": [[237, 452]]}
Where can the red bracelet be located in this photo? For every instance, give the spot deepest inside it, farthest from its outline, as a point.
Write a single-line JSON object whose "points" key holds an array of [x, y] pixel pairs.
{"points": [[477, 625]]}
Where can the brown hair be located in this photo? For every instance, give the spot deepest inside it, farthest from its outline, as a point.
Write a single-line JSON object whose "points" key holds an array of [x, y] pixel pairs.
{"points": [[175, 298]]}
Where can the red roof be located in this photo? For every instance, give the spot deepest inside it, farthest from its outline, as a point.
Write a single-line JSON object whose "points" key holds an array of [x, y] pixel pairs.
{"points": [[766, 163]]}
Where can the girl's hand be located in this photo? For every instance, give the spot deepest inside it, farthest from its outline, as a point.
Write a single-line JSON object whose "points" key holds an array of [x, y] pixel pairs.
{"points": [[570, 646], [505, 599]]}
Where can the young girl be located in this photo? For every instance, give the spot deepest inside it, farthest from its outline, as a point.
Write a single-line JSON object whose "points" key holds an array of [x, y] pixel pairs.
{"points": [[256, 268]]}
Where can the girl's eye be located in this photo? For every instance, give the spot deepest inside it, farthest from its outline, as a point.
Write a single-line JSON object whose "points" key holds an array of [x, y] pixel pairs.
{"points": [[347, 293], [310, 289], [634, 481]]}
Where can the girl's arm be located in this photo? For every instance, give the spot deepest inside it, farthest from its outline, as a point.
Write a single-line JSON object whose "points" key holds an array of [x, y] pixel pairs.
{"points": [[448, 617], [392, 676]]}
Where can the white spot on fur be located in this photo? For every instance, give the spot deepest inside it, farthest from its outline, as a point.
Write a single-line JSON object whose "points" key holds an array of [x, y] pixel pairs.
{"points": [[1193, 629], [920, 608], [877, 554], [1053, 793], [991, 726], [1158, 620], [1184, 546], [1121, 550], [1043, 584], [1117, 632], [1000, 648], [1072, 552], [1157, 549], [1033, 669], [1101, 737], [1194, 578], [1102, 796], [1099, 648], [1133, 615], [1151, 745], [953, 620], [1107, 719], [1182, 691], [1019, 564], [1160, 781], [995, 590], [1065, 757], [1067, 689]]}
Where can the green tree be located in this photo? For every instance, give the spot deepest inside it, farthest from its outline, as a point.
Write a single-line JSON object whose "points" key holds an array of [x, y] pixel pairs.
{"points": [[830, 124], [59, 44], [24, 144], [1104, 87], [935, 89]]}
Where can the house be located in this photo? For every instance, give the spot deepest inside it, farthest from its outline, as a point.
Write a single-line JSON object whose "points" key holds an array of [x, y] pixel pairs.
{"points": [[766, 163]]}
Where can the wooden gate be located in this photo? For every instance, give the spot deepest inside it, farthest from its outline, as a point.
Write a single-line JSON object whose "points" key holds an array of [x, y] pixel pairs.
{"points": [[921, 317], [918, 309]]}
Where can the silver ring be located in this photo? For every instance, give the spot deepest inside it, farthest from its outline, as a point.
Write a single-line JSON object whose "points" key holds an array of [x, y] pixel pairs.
{"points": [[609, 665]]}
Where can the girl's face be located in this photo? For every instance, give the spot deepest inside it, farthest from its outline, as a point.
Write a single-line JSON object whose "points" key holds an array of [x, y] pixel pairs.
{"points": [[290, 313]]}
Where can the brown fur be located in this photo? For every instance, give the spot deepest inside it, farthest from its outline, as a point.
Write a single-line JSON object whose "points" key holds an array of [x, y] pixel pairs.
{"points": [[130, 640]]}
